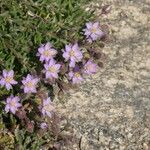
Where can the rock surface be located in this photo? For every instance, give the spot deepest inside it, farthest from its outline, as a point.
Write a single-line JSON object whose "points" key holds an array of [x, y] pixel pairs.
{"points": [[111, 110]]}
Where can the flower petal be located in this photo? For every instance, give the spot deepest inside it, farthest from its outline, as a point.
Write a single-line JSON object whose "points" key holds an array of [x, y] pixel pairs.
{"points": [[41, 49], [48, 45], [89, 25], [8, 86], [75, 47], [11, 73], [13, 82], [7, 108], [96, 25], [68, 48], [5, 73], [72, 64], [66, 55], [13, 110], [2, 82]]}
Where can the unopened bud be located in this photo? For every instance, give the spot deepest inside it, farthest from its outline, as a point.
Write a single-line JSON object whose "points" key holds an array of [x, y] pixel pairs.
{"points": [[100, 64], [97, 55]]}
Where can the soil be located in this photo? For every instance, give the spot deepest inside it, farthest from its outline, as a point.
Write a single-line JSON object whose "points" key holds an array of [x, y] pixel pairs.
{"points": [[111, 109]]}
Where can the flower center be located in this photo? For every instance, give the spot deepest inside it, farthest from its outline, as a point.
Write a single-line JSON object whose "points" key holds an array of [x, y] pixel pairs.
{"points": [[77, 74], [52, 69], [29, 84], [46, 53], [72, 53], [13, 103], [89, 67], [8, 79], [93, 30]]}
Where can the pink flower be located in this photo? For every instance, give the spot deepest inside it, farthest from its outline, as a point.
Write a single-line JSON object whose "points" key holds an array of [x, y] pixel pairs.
{"points": [[90, 67], [46, 52], [52, 69], [7, 79], [12, 104], [30, 84], [76, 76], [47, 107], [72, 53], [44, 125], [93, 31]]}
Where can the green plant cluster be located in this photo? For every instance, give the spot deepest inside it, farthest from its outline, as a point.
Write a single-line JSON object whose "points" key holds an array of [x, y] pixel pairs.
{"points": [[24, 25]]}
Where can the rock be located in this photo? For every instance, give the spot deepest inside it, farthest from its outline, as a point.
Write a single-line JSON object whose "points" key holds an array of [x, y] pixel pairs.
{"points": [[111, 110]]}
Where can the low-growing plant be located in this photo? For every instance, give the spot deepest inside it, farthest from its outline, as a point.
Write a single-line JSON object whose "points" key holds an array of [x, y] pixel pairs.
{"points": [[42, 43]]}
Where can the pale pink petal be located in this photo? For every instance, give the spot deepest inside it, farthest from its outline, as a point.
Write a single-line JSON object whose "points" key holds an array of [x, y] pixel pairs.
{"points": [[74, 80], [48, 75], [100, 33], [8, 100], [72, 64], [66, 55], [48, 99], [71, 74], [96, 25], [49, 114], [57, 66], [14, 82], [75, 47], [29, 77], [68, 48], [43, 125], [13, 110], [53, 51], [51, 62], [7, 108], [48, 45], [73, 58], [42, 58], [79, 55], [11, 73], [18, 105], [89, 25], [41, 50], [80, 78], [8, 86], [24, 82], [33, 90], [35, 80], [2, 82], [5, 73], [47, 58], [94, 36], [16, 98], [46, 102], [26, 90], [54, 75], [87, 32]]}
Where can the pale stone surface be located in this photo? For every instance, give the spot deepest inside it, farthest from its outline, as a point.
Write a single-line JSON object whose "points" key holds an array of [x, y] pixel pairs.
{"points": [[111, 110]]}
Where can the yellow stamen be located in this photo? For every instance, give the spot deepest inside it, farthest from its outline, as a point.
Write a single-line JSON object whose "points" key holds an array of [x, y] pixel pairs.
{"points": [[93, 30], [12, 103], [52, 69], [77, 74], [29, 84], [46, 53], [8, 79], [72, 53]]}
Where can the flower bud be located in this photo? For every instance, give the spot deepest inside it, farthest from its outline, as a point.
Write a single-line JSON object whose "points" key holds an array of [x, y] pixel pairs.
{"points": [[100, 64]]}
